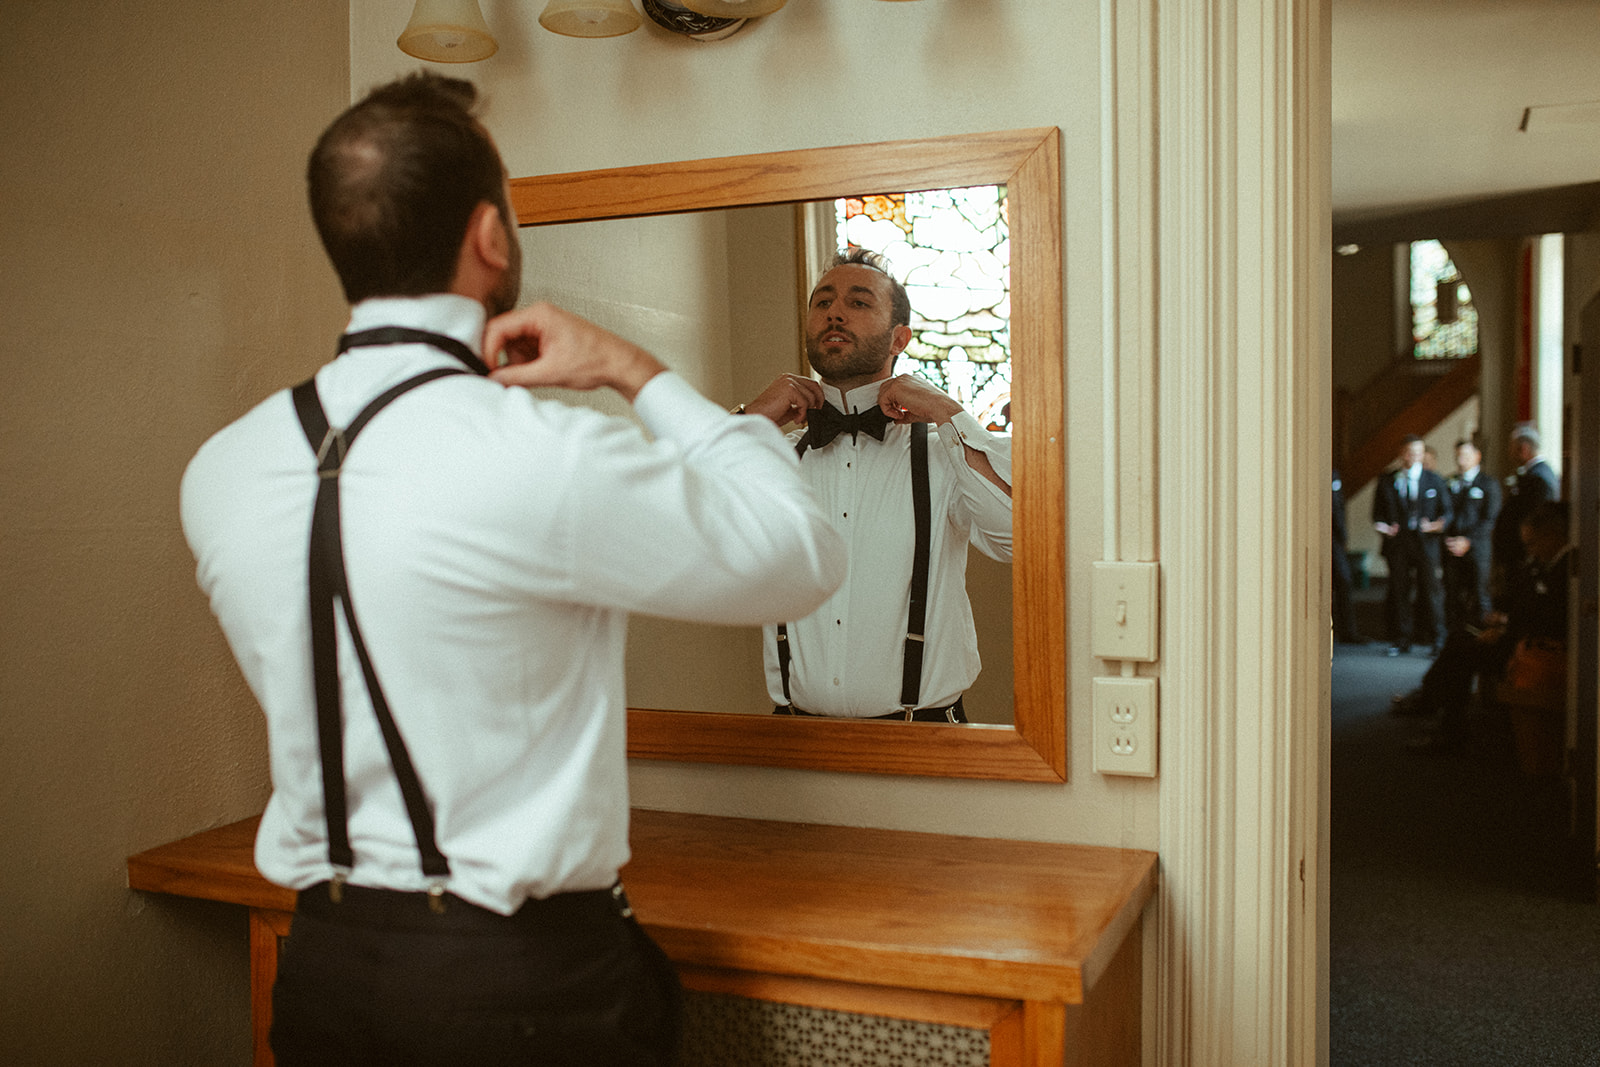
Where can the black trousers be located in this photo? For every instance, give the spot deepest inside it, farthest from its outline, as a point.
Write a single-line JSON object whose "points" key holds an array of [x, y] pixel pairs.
{"points": [[381, 979], [1466, 589], [1344, 618], [956, 712], [1414, 564], [1447, 687]]}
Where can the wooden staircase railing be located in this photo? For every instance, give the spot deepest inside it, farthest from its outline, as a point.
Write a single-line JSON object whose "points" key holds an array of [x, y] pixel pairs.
{"points": [[1363, 460]]}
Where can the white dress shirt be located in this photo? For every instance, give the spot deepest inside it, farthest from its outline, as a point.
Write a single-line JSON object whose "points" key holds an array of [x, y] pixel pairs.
{"points": [[495, 543], [847, 657]]}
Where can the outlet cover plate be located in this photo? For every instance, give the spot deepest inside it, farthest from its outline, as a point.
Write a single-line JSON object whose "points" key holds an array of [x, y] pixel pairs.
{"points": [[1125, 724]]}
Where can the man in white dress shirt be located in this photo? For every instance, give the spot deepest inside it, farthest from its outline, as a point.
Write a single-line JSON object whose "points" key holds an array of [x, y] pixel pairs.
{"points": [[458, 895], [858, 655]]}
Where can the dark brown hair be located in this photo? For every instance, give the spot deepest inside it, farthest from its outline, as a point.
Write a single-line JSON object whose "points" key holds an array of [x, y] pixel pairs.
{"points": [[393, 183]]}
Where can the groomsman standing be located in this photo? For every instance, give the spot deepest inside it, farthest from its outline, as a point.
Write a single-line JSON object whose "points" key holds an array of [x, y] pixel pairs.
{"points": [[1475, 502], [1532, 484], [1410, 509]]}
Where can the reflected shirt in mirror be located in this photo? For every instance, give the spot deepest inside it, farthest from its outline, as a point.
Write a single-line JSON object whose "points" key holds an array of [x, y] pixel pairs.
{"points": [[847, 656]]}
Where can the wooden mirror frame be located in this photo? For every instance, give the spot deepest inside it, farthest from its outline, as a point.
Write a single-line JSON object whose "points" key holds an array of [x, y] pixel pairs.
{"points": [[1028, 162]]}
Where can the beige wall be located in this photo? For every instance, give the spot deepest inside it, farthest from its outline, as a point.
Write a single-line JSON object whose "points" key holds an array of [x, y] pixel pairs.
{"points": [[158, 275]]}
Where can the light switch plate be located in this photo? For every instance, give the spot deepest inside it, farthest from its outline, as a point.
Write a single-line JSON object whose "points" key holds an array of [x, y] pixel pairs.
{"points": [[1125, 611], [1125, 723]]}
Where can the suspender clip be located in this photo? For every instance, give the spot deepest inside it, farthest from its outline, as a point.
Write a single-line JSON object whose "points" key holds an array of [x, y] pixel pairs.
{"points": [[336, 885], [436, 901], [330, 454], [620, 898]]}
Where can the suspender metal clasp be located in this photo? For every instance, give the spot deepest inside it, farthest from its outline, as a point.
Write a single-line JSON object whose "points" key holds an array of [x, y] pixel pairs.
{"points": [[620, 898], [330, 454], [336, 885], [436, 901]]}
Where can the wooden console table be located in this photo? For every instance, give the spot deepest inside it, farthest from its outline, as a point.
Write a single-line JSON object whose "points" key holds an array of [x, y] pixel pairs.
{"points": [[1037, 944]]}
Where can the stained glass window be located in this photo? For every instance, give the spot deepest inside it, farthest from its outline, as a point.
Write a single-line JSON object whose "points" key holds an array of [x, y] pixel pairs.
{"points": [[951, 248], [1444, 322]]}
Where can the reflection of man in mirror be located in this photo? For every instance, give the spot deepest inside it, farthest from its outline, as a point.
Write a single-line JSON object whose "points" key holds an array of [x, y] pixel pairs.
{"points": [[454, 804], [909, 479]]}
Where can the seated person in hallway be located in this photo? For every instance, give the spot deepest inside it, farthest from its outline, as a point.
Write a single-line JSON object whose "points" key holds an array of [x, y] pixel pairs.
{"points": [[1475, 503], [1534, 607], [449, 779], [856, 656], [1409, 509]]}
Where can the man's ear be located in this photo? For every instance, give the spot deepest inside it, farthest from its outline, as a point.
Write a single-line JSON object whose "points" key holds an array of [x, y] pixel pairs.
{"points": [[899, 339], [485, 253], [490, 236]]}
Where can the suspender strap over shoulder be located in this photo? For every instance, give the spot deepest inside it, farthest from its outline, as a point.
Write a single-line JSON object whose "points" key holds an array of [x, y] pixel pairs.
{"points": [[911, 680], [328, 581], [917, 609]]}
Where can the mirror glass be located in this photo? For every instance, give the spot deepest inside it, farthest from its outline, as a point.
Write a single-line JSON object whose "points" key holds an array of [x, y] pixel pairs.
{"points": [[706, 272], [718, 296]]}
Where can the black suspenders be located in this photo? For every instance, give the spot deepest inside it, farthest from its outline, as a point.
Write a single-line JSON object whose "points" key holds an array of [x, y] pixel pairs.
{"points": [[917, 611], [327, 582]]}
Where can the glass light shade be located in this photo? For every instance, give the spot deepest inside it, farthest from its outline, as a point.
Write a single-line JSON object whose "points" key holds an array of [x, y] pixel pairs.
{"points": [[733, 9], [447, 31], [590, 18]]}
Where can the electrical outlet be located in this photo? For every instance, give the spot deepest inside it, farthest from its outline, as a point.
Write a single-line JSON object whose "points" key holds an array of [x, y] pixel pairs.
{"points": [[1125, 726]]}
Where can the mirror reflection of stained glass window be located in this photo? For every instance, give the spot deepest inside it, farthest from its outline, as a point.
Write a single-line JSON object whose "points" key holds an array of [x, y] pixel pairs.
{"points": [[1444, 322], [951, 248]]}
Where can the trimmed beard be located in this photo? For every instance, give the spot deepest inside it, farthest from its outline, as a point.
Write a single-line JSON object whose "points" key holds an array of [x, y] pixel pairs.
{"points": [[868, 357]]}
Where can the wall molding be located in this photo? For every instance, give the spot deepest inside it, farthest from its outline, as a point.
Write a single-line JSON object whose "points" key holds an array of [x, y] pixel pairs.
{"points": [[1243, 260]]}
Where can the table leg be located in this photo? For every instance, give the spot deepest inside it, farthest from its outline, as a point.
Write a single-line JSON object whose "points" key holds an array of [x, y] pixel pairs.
{"points": [[266, 928]]}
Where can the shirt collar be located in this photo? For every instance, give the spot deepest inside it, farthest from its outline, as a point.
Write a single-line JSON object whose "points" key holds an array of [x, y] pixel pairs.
{"points": [[860, 398], [1526, 467], [1468, 475], [457, 317]]}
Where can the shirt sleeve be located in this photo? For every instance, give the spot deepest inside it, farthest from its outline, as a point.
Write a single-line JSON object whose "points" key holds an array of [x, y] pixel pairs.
{"points": [[709, 522], [986, 507]]}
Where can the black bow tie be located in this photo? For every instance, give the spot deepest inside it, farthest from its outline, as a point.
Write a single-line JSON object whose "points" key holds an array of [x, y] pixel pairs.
{"points": [[828, 422]]}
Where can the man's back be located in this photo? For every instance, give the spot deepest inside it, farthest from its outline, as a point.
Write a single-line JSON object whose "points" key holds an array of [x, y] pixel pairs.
{"points": [[494, 544]]}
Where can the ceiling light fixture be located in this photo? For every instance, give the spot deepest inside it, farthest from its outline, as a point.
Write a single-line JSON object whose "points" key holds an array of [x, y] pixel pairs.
{"points": [[734, 9], [590, 18], [447, 31]]}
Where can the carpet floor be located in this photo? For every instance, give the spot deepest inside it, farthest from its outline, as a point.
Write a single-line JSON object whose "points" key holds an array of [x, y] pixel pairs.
{"points": [[1458, 934]]}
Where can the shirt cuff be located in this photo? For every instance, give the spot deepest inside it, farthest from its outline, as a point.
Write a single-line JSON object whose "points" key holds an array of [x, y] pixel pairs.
{"points": [[671, 409], [964, 429]]}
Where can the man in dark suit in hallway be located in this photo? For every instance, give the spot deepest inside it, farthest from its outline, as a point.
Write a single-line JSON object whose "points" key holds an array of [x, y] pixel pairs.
{"points": [[1475, 501], [1344, 619], [1411, 508], [1532, 484]]}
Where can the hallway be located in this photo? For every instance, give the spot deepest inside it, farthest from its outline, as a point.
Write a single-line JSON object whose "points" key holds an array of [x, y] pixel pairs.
{"points": [[1455, 936]]}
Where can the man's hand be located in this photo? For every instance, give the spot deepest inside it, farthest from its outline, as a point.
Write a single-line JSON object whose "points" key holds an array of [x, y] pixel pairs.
{"points": [[546, 346], [1387, 529], [1457, 546], [791, 398], [907, 398], [1430, 525]]}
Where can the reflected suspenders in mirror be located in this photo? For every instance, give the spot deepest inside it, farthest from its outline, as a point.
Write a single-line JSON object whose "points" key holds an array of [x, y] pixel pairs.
{"points": [[916, 615], [327, 582]]}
